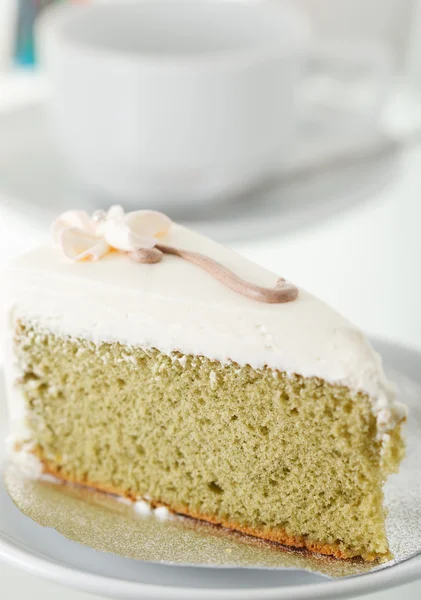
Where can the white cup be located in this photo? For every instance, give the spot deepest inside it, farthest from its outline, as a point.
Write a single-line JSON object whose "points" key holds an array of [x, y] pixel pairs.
{"points": [[163, 101]]}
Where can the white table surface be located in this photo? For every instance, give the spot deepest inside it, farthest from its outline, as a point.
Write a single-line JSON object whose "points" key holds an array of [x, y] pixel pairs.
{"points": [[364, 262]]}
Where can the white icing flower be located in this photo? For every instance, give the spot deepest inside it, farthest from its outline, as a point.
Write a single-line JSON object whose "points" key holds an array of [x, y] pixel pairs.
{"points": [[78, 245], [136, 230], [77, 219], [82, 237]]}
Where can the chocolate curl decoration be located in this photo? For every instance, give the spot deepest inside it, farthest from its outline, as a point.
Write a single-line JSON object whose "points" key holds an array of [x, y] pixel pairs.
{"points": [[282, 292]]}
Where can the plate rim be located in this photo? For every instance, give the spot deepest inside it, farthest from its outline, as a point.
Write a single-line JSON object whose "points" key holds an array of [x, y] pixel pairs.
{"points": [[405, 572], [408, 571]]}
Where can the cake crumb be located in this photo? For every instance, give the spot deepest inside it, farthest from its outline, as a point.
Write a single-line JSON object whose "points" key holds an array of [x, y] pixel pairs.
{"points": [[213, 379], [129, 358]]}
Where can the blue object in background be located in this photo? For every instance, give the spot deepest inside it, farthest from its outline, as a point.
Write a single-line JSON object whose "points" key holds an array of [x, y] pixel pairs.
{"points": [[27, 11]]}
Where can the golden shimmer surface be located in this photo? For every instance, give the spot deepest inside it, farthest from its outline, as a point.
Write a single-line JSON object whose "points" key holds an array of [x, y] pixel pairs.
{"points": [[281, 457]]}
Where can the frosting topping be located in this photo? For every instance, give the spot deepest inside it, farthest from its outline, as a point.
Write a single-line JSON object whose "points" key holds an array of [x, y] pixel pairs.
{"points": [[82, 237], [137, 233]]}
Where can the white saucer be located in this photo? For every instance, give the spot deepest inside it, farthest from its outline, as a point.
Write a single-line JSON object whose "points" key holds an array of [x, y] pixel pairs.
{"points": [[316, 185], [46, 553]]}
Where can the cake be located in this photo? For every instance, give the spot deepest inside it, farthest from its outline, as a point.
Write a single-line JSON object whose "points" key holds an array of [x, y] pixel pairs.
{"points": [[150, 362]]}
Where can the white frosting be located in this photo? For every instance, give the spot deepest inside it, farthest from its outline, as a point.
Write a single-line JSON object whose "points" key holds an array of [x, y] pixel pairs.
{"points": [[143, 508], [162, 513], [28, 464], [174, 305]]}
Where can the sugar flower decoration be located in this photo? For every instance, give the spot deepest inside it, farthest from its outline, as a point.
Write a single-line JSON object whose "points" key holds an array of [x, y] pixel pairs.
{"points": [[82, 237], [138, 235]]}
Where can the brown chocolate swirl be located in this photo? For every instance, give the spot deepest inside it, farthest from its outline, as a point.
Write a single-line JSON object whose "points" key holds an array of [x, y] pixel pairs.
{"points": [[282, 292]]}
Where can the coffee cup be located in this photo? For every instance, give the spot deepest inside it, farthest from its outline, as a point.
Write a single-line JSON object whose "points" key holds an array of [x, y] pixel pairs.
{"points": [[166, 101]]}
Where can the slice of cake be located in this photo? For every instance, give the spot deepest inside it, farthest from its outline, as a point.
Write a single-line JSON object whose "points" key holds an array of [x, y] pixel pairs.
{"points": [[151, 362]]}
